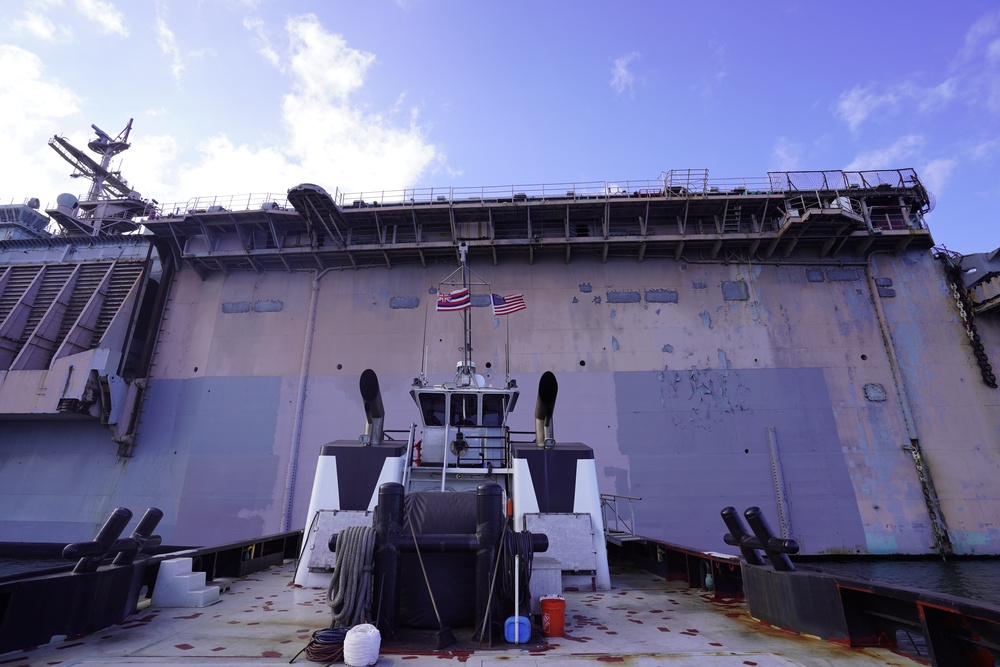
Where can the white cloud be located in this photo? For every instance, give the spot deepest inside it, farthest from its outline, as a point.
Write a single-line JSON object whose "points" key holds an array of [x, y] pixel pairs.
{"points": [[40, 26], [935, 174], [993, 51], [28, 125], [167, 42], [861, 102], [324, 67], [979, 32], [890, 157], [985, 149], [857, 104], [622, 78], [334, 140], [256, 26], [329, 138], [786, 155], [105, 14]]}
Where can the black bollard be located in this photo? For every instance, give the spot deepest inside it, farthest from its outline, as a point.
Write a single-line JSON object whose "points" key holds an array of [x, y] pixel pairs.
{"points": [[776, 548], [92, 553], [489, 520], [142, 535], [388, 533], [738, 537]]}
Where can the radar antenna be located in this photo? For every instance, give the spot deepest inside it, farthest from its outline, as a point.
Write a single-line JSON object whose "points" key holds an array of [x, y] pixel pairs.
{"points": [[110, 204]]}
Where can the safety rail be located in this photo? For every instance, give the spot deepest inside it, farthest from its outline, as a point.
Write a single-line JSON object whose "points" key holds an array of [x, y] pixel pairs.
{"points": [[266, 201], [677, 183], [623, 529]]}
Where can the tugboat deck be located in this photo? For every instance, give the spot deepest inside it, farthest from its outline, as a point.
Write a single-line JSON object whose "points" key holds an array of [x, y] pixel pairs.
{"points": [[644, 621]]}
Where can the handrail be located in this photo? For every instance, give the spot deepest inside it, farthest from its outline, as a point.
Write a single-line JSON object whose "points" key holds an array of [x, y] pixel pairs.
{"points": [[609, 501], [677, 183]]}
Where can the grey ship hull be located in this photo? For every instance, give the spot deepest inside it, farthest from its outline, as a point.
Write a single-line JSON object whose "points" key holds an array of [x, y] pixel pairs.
{"points": [[839, 394]]}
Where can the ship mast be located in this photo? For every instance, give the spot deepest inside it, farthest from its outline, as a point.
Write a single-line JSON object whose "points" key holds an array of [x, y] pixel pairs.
{"points": [[110, 205]]}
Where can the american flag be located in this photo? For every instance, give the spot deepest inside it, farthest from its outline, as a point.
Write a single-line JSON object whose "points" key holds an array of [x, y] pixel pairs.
{"points": [[453, 301], [505, 305]]}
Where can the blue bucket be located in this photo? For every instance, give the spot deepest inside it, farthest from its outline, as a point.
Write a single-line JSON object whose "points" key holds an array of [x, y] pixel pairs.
{"points": [[523, 629]]}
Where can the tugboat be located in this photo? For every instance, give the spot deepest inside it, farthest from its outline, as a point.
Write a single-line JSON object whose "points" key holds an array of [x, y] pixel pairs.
{"points": [[460, 448]]}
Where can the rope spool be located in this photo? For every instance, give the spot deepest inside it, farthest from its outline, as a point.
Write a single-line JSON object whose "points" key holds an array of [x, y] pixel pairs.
{"points": [[350, 592]]}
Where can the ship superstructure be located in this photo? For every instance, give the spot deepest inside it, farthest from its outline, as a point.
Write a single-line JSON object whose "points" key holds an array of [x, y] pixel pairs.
{"points": [[790, 341]]}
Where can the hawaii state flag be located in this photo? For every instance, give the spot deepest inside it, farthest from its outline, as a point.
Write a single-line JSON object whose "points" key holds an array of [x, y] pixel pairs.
{"points": [[457, 300], [505, 305]]}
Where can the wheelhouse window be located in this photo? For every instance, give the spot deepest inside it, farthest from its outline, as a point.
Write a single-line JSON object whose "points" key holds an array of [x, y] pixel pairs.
{"points": [[464, 410], [494, 409], [432, 406]]}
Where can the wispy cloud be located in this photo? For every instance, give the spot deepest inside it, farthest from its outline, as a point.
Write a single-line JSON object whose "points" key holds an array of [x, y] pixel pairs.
{"points": [[861, 102], [905, 149], [979, 33], [985, 149], [40, 26], [105, 14], [934, 175], [167, 42], [622, 78], [257, 27], [786, 155]]}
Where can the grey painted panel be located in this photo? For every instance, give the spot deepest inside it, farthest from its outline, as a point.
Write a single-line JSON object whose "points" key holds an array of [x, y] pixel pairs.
{"points": [[710, 451], [205, 455]]}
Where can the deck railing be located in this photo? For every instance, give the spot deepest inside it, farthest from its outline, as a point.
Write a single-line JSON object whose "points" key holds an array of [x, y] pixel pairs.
{"points": [[677, 183]]}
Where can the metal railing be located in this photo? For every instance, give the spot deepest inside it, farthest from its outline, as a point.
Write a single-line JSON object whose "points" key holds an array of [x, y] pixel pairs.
{"points": [[258, 201], [676, 183], [621, 529]]}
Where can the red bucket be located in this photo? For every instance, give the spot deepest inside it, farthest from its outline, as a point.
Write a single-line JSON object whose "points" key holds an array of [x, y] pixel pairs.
{"points": [[553, 615]]}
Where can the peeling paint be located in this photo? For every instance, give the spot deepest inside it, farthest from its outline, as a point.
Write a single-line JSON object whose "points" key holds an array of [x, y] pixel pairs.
{"points": [[815, 275], [735, 290], [406, 302], [668, 348], [624, 296], [597, 299], [269, 306], [236, 306], [614, 343], [575, 300], [586, 288], [845, 274], [706, 318], [661, 296], [614, 313], [697, 285]]}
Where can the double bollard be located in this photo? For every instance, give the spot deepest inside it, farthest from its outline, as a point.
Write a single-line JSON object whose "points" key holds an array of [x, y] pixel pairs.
{"points": [[90, 555], [776, 548]]}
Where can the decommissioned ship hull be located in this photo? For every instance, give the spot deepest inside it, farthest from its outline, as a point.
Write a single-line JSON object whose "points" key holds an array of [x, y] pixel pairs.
{"points": [[792, 344]]}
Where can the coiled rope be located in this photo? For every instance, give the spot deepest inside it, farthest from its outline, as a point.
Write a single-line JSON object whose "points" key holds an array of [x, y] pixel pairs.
{"points": [[361, 645], [518, 544], [501, 598], [327, 646], [350, 591]]}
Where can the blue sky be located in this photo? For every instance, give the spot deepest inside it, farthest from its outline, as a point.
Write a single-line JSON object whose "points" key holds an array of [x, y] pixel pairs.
{"points": [[233, 97]]}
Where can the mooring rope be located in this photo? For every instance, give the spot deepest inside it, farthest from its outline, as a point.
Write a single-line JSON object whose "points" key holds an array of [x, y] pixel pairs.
{"points": [[350, 591]]}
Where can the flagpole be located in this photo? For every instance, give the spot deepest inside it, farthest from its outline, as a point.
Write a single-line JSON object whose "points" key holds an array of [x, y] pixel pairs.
{"points": [[507, 351], [463, 250]]}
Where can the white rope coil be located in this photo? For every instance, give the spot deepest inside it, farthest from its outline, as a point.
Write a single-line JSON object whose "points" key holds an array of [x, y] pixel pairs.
{"points": [[361, 645]]}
